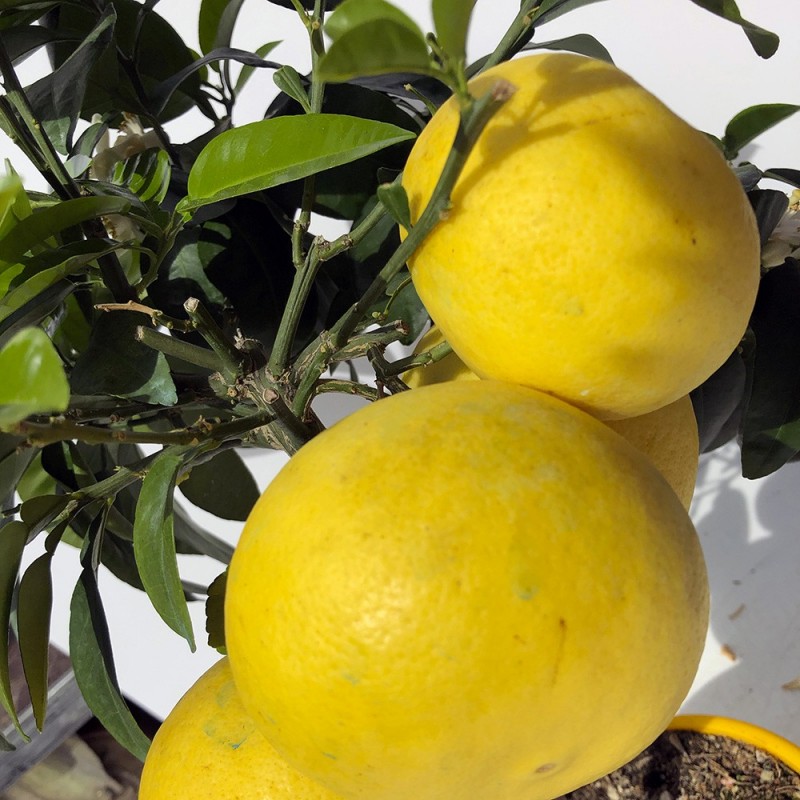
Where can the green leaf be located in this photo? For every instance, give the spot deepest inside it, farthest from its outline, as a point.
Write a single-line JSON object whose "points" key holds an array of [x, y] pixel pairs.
{"points": [[215, 612], [288, 80], [275, 151], [247, 70], [790, 176], [222, 486], [14, 203], [752, 122], [549, 10], [13, 538], [146, 376], [772, 409], [92, 661], [451, 21], [191, 537], [582, 43], [395, 200], [154, 545], [764, 42], [57, 98], [45, 223], [39, 512], [354, 13], [33, 622], [215, 23], [14, 460], [769, 206], [33, 377], [376, 48]]}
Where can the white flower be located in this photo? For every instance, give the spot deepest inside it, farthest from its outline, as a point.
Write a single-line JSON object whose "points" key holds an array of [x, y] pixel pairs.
{"points": [[784, 242]]}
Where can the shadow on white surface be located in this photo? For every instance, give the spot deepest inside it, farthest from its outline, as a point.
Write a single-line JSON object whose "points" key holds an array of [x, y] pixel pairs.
{"points": [[751, 538]]}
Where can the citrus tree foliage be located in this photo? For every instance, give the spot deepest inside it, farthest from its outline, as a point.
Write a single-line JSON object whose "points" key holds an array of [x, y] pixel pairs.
{"points": [[174, 294]]}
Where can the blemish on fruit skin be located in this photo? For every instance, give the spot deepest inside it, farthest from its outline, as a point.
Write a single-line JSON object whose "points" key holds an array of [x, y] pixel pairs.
{"points": [[524, 592], [562, 635], [549, 767], [329, 755], [351, 679]]}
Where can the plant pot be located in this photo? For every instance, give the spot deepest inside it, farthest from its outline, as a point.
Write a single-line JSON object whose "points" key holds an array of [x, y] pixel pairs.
{"points": [[700, 757]]}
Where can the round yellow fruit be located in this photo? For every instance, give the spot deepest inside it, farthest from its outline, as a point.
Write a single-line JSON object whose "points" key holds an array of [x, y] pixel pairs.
{"points": [[668, 436], [209, 749], [597, 248], [469, 591]]}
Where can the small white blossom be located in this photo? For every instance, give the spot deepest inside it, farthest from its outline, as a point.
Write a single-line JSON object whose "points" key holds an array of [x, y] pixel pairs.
{"points": [[784, 241]]}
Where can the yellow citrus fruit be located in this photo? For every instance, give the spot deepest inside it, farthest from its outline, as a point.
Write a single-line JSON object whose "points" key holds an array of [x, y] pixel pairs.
{"points": [[208, 748], [469, 591], [668, 436], [598, 247]]}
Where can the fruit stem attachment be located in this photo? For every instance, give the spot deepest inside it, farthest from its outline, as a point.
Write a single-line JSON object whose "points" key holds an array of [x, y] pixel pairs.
{"points": [[473, 119]]}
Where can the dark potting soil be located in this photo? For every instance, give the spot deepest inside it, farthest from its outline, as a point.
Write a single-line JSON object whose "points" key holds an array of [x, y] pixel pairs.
{"points": [[683, 765]]}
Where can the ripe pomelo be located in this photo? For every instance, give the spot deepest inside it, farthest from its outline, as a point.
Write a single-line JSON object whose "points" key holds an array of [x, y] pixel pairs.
{"points": [[668, 436], [208, 748], [598, 247], [468, 591]]}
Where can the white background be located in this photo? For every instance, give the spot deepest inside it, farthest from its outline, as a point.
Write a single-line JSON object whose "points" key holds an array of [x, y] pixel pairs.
{"points": [[706, 71]]}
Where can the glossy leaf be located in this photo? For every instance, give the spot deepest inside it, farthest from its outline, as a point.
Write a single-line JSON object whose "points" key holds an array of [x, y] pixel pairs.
{"points": [[14, 203], [24, 40], [790, 176], [57, 98], [222, 486], [13, 537], [146, 375], [275, 151], [247, 71], [717, 403], [154, 545], [191, 537], [451, 19], [92, 662], [377, 47], [164, 91], [772, 411], [14, 460], [395, 200], [288, 80], [35, 604], [582, 43], [769, 206], [35, 310], [215, 23], [47, 222], [764, 42], [354, 13], [39, 512], [752, 122], [215, 612], [33, 377]]}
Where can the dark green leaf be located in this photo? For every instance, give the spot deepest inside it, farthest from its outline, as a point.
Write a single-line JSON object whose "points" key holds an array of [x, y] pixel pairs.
{"points": [[191, 537], [24, 40], [34, 230], [718, 402], [215, 612], [773, 401], [34, 606], [154, 545], [376, 48], [394, 198], [33, 377], [769, 207], [749, 175], [222, 486], [451, 21], [790, 176], [752, 122], [548, 10], [288, 80], [92, 661], [247, 71], [35, 310], [14, 460], [164, 91], [275, 151], [764, 42], [216, 22], [39, 512], [146, 375], [13, 537], [57, 98], [582, 43]]}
